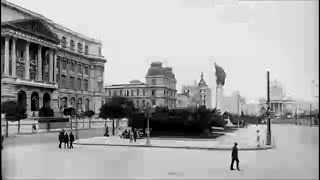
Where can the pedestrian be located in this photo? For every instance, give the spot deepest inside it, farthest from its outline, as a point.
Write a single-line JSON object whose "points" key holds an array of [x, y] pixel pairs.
{"points": [[61, 138], [242, 123], [34, 128], [71, 138], [258, 138], [66, 141], [2, 139], [134, 135], [234, 157], [131, 136], [106, 134]]}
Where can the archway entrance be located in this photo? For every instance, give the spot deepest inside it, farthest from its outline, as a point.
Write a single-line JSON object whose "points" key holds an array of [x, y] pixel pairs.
{"points": [[46, 100], [34, 101], [22, 98]]}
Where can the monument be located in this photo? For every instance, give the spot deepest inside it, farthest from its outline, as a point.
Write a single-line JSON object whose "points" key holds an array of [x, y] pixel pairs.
{"points": [[220, 81]]}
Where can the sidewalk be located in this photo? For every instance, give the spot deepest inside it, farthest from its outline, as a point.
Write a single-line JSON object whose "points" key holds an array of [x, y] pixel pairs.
{"points": [[244, 137]]}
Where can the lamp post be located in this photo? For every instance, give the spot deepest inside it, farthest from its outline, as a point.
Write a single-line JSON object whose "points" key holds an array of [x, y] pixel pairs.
{"points": [[268, 110], [147, 112]]}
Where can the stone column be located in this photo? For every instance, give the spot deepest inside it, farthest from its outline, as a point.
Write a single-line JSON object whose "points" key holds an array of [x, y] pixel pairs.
{"points": [[6, 56], [39, 63], [27, 61], [51, 65], [55, 67], [13, 57], [28, 100]]}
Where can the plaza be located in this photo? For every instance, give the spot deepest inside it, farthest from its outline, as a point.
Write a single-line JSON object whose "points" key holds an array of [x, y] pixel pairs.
{"points": [[38, 157]]}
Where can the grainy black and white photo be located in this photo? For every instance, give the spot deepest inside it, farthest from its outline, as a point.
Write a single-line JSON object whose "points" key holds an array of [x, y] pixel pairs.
{"points": [[160, 89]]}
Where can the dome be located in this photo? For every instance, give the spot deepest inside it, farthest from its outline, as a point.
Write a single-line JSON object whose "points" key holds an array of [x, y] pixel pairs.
{"points": [[156, 69], [202, 82]]}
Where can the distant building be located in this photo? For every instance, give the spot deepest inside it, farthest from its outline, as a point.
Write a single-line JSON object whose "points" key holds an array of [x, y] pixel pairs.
{"points": [[183, 100], [199, 94], [234, 104], [279, 102], [252, 109], [159, 89]]}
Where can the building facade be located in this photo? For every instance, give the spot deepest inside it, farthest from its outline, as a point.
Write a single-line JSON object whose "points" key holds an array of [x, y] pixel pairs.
{"points": [[46, 64], [160, 88], [199, 93], [234, 104], [279, 102], [139, 93], [184, 100]]}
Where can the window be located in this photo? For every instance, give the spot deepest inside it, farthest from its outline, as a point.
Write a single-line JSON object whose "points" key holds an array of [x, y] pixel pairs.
{"points": [[64, 65], [72, 69], [72, 44], [80, 47], [63, 81], [153, 92], [153, 81], [110, 93], [120, 92], [99, 51], [131, 92], [200, 96], [86, 70], [138, 103], [86, 85], [164, 92], [79, 68], [127, 92], [79, 83], [204, 96], [144, 92], [63, 42], [138, 92], [86, 49], [71, 83]]}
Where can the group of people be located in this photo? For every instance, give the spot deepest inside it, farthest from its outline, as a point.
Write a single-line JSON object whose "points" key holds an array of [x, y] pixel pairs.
{"points": [[132, 134], [65, 138]]}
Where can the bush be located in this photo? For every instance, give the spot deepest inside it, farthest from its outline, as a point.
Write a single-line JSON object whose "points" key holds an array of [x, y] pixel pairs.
{"points": [[46, 111], [13, 111], [88, 113], [69, 111]]}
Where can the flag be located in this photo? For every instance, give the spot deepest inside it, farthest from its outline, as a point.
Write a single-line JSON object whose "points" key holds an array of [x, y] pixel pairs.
{"points": [[220, 75]]}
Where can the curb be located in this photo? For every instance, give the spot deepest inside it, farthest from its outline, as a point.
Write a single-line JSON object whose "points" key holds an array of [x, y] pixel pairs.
{"points": [[181, 147]]}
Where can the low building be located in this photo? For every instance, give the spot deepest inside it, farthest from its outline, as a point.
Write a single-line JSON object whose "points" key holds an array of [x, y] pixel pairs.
{"points": [[159, 89], [199, 93]]}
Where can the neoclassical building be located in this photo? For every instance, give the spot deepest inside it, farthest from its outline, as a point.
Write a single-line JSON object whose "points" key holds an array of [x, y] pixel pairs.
{"points": [[159, 89], [43, 63], [279, 102], [198, 94]]}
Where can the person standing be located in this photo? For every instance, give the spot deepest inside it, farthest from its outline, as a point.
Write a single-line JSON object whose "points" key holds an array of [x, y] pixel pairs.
{"points": [[61, 138], [66, 141], [234, 156], [71, 138], [134, 135], [131, 136], [258, 138]]}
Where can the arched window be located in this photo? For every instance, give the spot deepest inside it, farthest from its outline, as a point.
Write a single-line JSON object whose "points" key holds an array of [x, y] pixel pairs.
{"points": [[64, 42], [86, 49], [79, 47], [72, 44]]}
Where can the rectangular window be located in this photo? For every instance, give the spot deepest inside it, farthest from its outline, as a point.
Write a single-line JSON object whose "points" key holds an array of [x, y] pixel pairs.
{"points": [[71, 83], [137, 92], [153, 92], [143, 103], [144, 92], [64, 65], [78, 84], [79, 68], [71, 65], [120, 92], [63, 82], [153, 81], [204, 102], [131, 92], [164, 92], [204, 96], [86, 85], [86, 70]]}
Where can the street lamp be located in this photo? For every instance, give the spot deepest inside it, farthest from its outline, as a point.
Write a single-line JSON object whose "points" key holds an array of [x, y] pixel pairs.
{"points": [[268, 110], [147, 112]]}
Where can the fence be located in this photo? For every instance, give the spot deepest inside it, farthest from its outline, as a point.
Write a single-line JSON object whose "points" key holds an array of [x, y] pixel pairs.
{"points": [[83, 124]]}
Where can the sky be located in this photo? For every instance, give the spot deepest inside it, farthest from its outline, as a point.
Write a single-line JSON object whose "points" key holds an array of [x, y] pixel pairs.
{"points": [[246, 38]]}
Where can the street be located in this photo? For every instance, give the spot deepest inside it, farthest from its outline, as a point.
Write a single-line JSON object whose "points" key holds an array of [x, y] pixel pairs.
{"points": [[295, 157]]}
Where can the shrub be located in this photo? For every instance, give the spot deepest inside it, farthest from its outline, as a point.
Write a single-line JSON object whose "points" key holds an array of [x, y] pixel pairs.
{"points": [[13, 111], [46, 111]]}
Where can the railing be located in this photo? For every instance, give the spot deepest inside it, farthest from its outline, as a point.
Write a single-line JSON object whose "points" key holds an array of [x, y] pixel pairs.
{"points": [[83, 124]]}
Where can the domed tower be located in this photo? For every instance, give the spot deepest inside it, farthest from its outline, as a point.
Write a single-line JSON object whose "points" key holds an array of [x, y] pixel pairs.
{"points": [[204, 92]]}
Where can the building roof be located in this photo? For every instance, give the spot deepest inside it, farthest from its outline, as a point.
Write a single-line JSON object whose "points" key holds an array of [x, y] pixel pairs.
{"points": [[130, 85], [202, 82], [156, 69], [36, 15]]}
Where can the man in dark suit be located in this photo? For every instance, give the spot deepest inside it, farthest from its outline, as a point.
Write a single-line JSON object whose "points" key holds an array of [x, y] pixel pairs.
{"points": [[61, 138], [234, 157], [71, 138], [66, 141]]}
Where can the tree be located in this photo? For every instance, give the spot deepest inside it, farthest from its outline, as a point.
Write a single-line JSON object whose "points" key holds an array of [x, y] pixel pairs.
{"points": [[13, 112], [217, 119], [114, 109], [89, 114], [203, 116]]}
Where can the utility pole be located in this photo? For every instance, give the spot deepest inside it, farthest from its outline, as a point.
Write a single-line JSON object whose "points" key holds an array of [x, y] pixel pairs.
{"points": [[268, 110], [310, 115]]}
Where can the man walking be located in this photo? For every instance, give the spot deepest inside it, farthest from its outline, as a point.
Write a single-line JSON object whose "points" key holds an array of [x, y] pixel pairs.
{"points": [[66, 141], [71, 138], [61, 138], [234, 157]]}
